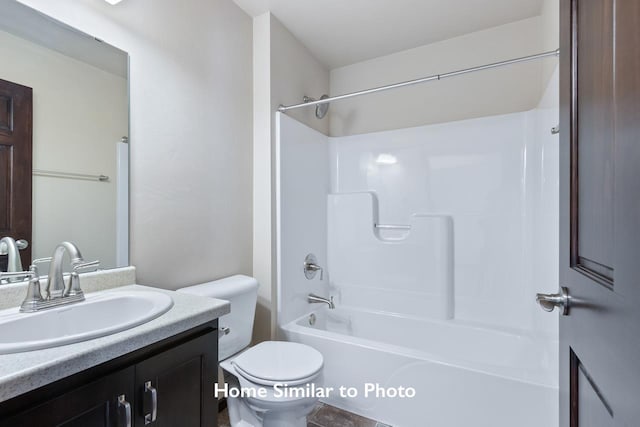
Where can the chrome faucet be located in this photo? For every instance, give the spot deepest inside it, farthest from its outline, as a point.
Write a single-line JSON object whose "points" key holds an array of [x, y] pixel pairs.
{"points": [[9, 247], [56, 292], [55, 282], [313, 299]]}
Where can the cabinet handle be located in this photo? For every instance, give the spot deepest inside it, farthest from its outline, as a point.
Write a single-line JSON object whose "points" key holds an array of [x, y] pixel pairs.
{"points": [[124, 411], [151, 417]]}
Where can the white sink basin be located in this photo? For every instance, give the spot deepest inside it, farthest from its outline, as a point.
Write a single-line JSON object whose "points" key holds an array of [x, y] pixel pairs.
{"points": [[101, 314]]}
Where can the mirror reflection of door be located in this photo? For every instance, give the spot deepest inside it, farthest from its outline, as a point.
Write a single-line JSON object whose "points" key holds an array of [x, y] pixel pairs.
{"points": [[15, 168]]}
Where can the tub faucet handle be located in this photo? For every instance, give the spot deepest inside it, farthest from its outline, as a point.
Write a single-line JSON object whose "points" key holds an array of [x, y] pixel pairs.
{"points": [[311, 267]]}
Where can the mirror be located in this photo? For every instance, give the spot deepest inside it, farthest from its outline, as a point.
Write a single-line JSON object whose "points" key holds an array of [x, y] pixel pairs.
{"points": [[64, 125]]}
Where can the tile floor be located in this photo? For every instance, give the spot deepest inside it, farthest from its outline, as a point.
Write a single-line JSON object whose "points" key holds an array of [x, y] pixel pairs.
{"points": [[323, 415]]}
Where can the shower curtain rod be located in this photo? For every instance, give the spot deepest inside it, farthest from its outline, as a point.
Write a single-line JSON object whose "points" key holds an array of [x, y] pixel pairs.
{"points": [[283, 108]]}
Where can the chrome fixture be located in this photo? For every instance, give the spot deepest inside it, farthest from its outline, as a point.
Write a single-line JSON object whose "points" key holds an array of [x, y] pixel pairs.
{"points": [[34, 301], [562, 300], [150, 390], [311, 267], [124, 411], [313, 299], [71, 175], [34, 293], [11, 248], [283, 108], [55, 281], [15, 276], [555, 130], [321, 109], [20, 244], [56, 292], [392, 227]]}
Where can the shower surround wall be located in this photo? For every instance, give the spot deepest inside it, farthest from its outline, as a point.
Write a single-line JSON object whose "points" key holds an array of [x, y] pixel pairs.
{"points": [[448, 306], [477, 172], [302, 182]]}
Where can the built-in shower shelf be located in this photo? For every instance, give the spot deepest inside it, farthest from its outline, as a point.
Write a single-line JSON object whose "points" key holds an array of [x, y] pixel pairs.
{"points": [[373, 262]]}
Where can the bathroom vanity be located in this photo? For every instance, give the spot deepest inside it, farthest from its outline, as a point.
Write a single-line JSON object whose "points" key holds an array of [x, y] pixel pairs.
{"points": [[159, 373]]}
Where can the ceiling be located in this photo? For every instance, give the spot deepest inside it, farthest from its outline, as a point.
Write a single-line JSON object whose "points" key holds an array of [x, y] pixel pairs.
{"points": [[343, 32], [29, 24]]}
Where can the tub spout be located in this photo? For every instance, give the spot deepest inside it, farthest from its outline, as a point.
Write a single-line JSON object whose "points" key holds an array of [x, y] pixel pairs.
{"points": [[313, 298]]}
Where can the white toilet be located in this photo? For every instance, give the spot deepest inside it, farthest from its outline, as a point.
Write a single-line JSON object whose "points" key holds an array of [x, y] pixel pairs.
{"points": [[271, 375]]}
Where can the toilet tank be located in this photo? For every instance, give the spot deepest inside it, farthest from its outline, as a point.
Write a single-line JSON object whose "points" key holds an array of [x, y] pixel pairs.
{"points": [[242, 293]]}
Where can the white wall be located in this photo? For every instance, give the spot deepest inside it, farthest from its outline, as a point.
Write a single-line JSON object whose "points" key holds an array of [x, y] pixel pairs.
{"points": [[284, 71], [263, 210], [498, 91], [80, 113], [550, 20], [191, 124]]}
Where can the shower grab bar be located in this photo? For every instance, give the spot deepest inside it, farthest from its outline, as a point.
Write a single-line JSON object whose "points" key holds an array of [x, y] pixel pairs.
{"points": [[391, 227]]}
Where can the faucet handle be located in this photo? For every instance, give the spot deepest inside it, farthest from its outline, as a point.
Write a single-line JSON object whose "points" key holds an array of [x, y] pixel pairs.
{"points": [[74, 290], [34, 264], [17, 274], [28, 274], [311, 267], [82, 266], [31, 273], [34, 294]]}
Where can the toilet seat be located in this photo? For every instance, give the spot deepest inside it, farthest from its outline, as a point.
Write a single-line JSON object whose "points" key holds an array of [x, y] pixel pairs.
{"points": [[279, 362], [271, 383]]}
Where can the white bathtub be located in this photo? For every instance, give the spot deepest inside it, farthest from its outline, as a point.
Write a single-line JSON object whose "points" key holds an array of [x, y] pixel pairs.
{"points": [[464, 375]]}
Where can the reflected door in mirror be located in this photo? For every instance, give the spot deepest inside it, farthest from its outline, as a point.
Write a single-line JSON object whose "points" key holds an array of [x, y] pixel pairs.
{"points": [[15, 164]]}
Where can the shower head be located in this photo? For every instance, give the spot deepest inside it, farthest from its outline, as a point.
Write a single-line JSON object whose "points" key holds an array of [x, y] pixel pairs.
{"points": [[321, 109]]}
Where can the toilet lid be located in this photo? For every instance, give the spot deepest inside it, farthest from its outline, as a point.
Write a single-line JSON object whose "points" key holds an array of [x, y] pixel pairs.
{"points": [[279, 362]]}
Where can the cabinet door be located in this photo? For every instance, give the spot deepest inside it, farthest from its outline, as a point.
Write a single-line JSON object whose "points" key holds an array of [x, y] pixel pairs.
{"points": [[101, 403], [177, 385]]}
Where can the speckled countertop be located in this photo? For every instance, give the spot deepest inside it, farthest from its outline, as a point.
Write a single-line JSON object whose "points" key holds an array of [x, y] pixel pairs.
{"points": [[23, 372]]}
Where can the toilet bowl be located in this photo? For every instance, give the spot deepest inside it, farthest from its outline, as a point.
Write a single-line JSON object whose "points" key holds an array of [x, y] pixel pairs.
{"points": [[271, 384], [278, 380]]}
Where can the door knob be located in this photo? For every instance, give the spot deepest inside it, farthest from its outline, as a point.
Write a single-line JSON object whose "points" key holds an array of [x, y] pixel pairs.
{"points": [[562, 300]]}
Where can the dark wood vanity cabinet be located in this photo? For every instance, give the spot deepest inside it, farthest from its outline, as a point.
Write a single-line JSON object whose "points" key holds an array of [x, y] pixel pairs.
{"points": [[92, 405], [182, 381], [175, 377]]}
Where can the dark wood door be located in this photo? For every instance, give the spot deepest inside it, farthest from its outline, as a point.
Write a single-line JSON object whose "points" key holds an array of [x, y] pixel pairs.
{"points": [[16, 164], [178, 384], [600, 212], [101, 403]]}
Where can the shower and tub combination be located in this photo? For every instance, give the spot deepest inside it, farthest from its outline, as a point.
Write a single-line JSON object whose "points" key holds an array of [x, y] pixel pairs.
{"points": [[432, 241]]}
